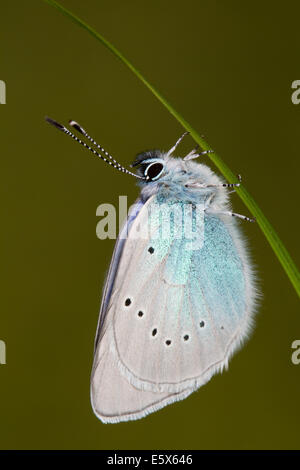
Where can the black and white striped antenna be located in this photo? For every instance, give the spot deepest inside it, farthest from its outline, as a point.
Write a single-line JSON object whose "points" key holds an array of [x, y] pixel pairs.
{"points": [[108, 158]]}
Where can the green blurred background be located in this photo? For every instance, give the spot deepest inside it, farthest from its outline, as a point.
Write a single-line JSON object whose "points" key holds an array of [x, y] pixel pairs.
{"points": [[228, 68]]}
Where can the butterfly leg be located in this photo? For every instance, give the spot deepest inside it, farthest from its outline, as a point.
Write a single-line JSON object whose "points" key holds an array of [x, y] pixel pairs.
{"points": [[177, 143], [194, 154], [222, 185], [229, 185], [232, 214]]}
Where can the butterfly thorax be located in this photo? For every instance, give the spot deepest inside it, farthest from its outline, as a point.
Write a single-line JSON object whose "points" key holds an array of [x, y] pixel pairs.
{"points": [[175, 183]]}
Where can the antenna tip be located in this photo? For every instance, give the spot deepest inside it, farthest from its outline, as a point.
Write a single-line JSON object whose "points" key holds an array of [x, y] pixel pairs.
{"points": [[55, 123], [77, 126]]}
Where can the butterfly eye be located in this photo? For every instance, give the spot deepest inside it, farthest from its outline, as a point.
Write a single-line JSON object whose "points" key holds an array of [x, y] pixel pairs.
{"points": [[154, 170]]}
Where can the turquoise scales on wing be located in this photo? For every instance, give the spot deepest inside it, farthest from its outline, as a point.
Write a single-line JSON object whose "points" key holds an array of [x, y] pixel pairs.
{"points": [[215, 264]]}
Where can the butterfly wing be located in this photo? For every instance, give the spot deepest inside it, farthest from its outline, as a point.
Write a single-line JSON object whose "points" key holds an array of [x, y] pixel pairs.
{"points": [[173, 317]]}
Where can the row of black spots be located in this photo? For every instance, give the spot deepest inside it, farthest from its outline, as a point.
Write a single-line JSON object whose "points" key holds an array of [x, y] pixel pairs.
{"points": [[128, 302], [154, 331], [168, 341]]}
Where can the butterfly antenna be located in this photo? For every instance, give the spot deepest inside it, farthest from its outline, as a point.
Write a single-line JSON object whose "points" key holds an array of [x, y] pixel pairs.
{"points": [[109, 160], [82, 131]]}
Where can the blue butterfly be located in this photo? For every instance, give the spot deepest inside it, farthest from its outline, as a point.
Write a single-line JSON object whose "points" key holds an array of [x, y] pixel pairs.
{"points": [[180, 294]]}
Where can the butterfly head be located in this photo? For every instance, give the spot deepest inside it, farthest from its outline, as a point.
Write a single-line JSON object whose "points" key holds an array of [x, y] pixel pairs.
{"points": [[171, 177], [156, 168]]}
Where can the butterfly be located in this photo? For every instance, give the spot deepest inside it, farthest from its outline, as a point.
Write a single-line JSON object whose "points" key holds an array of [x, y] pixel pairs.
{"points": [[175, 307]]}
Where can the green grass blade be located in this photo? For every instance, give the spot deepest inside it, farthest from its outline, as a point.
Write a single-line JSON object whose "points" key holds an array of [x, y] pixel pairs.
{"points": [[272, 237]]}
